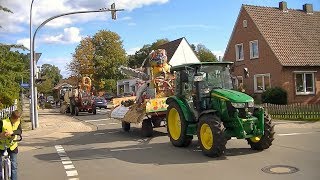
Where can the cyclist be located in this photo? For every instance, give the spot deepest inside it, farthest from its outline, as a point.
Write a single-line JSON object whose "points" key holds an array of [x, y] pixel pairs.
{"points": [[9, 128]]}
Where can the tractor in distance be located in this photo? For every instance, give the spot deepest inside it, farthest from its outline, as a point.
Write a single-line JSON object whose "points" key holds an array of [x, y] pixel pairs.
{"points": [[205, 104]]}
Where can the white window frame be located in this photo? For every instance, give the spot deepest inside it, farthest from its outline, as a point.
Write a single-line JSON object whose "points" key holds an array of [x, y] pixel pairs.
{"points": [[263, 82], [304, 82], [251, 49], [237, 52]]}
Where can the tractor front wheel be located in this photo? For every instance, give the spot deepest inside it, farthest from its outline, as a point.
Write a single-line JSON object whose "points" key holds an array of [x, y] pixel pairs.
{"points": [[177, 126], [211, 135], [265, 141]]}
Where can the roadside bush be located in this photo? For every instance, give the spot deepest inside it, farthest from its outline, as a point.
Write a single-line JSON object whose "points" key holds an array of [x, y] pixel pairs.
{"points": [[275, 95]]}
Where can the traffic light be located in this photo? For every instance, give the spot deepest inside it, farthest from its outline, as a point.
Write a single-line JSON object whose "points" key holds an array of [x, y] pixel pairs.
{"points": [[113, 11]]}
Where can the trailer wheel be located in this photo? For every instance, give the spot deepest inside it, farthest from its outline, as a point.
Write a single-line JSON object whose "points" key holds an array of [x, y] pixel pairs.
{"points": [[156, 121], [125, 126], [211, 135], [177, 126], [76, 111], [265, 141], [147, 128]]}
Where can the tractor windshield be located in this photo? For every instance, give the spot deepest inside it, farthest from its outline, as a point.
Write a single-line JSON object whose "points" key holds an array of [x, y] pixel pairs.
{"points": [[217, 76]]}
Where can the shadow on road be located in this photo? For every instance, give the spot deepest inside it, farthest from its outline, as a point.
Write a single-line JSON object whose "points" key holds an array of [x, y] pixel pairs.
{"points": [[136, 149]]}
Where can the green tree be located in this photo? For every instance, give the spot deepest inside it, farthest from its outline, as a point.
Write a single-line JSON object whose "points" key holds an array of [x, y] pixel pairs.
{"points": [[137, 59], [52, 72], [109, 55], [204, 54], [82, 61], [13, 69]]}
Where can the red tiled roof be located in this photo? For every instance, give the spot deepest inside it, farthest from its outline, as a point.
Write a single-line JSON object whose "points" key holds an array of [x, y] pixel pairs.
{"points": [[171, 47], [294, 36]]}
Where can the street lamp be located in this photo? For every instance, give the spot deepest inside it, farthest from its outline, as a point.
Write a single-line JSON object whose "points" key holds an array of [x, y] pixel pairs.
{"points": [[34, 119]]}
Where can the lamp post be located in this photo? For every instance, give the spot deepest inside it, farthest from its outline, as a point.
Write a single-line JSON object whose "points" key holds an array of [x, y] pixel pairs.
{"points": [[34, 119], [32, 93]]}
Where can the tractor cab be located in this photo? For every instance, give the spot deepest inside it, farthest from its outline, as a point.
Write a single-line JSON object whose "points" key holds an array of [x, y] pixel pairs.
{"points": [[205, 104]]}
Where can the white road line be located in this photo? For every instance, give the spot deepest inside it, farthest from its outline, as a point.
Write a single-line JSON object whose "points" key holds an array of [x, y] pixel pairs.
{"points": [[293, 134], [95, 120], [95, 134], [72, 173], [101, 124], [113, 123], [129, 149], [67, 163], [71, 166]]}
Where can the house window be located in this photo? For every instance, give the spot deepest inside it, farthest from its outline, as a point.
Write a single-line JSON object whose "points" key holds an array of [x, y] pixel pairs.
{"points": [[254, 50], [261, 82], [239, 52], [304, 83]]}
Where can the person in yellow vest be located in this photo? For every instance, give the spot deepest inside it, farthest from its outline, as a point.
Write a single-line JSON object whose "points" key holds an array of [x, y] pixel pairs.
{"points": [[11, 127]]}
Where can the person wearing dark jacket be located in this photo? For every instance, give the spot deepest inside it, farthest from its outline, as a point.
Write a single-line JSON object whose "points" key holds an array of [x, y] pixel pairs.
{"points": [[10, 127]]}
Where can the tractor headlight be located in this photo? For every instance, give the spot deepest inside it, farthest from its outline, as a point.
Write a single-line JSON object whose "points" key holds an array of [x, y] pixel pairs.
{"points": [[238, 105], [251, 104]]}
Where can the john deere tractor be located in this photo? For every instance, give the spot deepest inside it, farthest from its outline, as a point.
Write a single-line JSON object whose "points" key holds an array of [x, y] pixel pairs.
{"points": [[205, 104]]}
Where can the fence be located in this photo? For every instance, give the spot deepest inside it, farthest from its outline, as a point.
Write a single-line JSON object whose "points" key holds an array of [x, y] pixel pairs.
{"points": [[294, 111], [7, 111]]}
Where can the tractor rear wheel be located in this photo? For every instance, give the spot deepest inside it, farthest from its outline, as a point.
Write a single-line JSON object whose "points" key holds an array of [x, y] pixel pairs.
{"points": [[147, 129], [177, 126], [211, 135], [125, 126], [265, 141]]}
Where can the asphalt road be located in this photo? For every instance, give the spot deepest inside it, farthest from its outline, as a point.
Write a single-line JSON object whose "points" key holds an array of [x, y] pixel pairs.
{"points": [[110, 153]]}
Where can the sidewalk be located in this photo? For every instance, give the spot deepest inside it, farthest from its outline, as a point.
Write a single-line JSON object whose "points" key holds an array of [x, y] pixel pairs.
{"points": [[54, 128]]}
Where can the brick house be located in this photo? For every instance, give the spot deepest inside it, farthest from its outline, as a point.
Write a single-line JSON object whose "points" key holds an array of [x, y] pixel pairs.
{"points": [[279, 47]]}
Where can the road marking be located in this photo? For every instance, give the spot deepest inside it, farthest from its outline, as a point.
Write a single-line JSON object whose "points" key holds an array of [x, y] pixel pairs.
{"points": [[113, 123], [101, 124], [129, 149], [97, 120], [293, 134], [112, 132], [67, 163], [95, 134]]}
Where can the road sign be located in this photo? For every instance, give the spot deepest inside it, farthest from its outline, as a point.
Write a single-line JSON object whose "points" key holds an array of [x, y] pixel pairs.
{"points": [[25, 85]]}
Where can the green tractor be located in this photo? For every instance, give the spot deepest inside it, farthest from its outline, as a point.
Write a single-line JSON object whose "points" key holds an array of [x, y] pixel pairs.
{"points": [[205, 104]]}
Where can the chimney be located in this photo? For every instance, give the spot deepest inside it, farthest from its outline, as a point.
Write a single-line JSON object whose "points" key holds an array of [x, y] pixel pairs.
{"points": [[308, 8], [283, 6]]}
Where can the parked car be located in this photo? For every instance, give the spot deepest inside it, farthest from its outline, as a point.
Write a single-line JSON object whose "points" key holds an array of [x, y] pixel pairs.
{"points": [[100, 102], [50, 100], [108, 96]]}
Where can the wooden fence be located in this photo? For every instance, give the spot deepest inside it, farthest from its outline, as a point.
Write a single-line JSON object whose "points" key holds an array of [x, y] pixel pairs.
{"points": [[294, 111]]}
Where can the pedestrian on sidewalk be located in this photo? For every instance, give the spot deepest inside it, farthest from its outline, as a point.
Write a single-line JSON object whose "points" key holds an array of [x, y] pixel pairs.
{"points": [[9, 128]]}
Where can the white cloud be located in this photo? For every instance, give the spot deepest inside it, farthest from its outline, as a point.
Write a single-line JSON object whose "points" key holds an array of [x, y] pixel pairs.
{"points": [[45, 9], [131, 51], [25, 42], [70, 35]]}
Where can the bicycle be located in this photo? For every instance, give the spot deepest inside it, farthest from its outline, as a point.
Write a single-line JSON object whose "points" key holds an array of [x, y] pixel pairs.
{"points": [[5, 160]]}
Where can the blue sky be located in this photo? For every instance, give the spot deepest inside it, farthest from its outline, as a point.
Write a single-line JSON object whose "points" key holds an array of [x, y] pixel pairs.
{"points": [[208, 22]]}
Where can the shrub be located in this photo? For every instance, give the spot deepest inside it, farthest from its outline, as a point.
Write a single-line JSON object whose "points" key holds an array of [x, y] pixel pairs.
{"points": [[275, 95]]}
